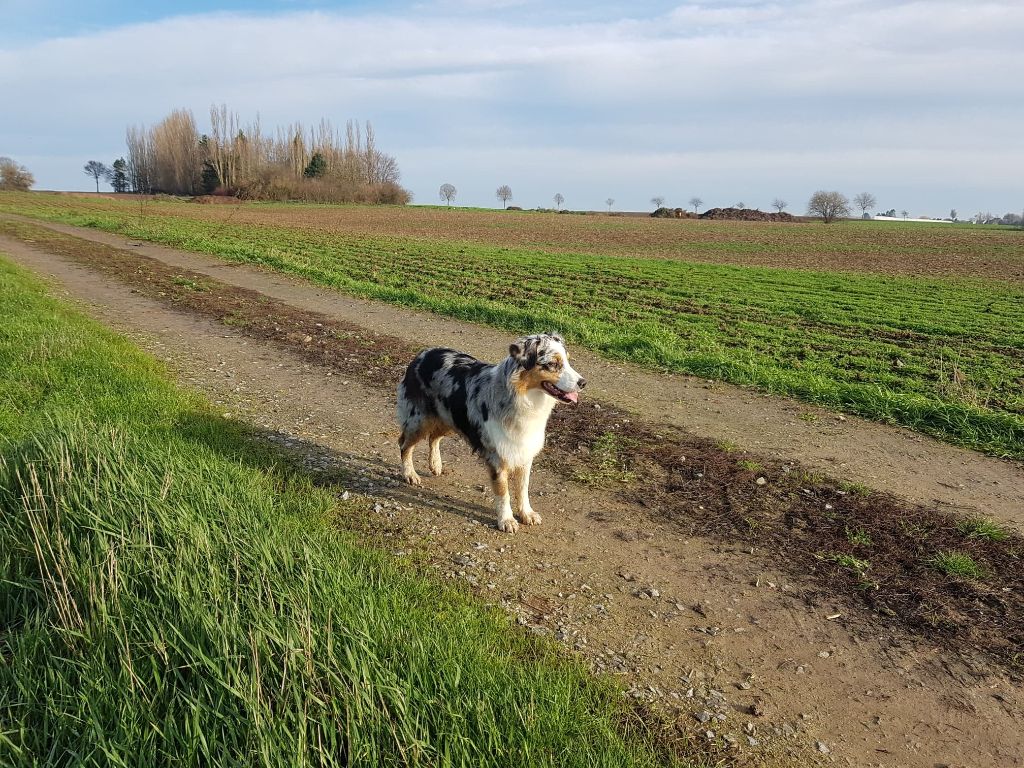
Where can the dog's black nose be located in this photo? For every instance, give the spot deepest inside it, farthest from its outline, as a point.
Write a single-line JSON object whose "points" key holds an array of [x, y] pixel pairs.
{"points": [[581, 383]]}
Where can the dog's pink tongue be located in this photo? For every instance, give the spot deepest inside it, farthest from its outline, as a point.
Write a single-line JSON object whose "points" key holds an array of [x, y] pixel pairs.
{"points": [[572, 397]]}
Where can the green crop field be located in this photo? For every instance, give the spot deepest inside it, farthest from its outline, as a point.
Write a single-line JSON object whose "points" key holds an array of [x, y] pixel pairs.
{"points": [[943, 355], [173, 594]]}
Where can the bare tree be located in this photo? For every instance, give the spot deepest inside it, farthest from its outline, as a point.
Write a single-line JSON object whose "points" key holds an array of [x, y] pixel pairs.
{"points": [[97, 170], [658, 201], [828, 205], [176, 150], [696, 202], [610, 202], [864, 201], [741, 206], [504, 194], [14, 177], [904, 214], [140, 159], [952, 214], [448, 192], [779, 204], [559, 200]]}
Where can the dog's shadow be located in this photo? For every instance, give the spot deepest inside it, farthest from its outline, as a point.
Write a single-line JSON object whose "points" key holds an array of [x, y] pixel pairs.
{"points": [[325, 466]]}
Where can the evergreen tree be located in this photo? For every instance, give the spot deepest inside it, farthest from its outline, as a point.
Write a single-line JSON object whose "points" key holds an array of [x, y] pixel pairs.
{"points": [[209, 180], [119, 175], [317, 167]]}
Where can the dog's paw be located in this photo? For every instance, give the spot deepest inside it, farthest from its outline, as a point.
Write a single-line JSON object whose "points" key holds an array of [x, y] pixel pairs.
{"points": [[412, 478], [508, 525], [529, 517], [436, 469]]}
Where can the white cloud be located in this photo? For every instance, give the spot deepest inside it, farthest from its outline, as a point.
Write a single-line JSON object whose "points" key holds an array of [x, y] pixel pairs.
{"points": [[916, 96]]}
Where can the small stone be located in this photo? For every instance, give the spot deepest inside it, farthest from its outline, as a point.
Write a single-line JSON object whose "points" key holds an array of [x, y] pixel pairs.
{"points": [[761, 481], [703, 716], [823, 654], [822, 747], [752, 741], [346, 496]]}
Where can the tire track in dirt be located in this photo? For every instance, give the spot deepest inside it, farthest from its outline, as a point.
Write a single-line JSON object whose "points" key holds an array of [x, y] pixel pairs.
{"points": [[762, 637]]}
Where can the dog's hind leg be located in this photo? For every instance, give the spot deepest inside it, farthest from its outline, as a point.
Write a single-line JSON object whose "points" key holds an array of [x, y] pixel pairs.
{"points": [[435, 454], [502, 506], [526, 513], [410, 436]]}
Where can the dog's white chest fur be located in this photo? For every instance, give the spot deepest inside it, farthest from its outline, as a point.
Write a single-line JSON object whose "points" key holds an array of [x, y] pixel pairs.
{"points": [[519, 438]]}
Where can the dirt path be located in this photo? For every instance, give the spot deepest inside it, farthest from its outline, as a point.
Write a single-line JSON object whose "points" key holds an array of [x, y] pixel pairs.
{"points": [[891, 459], [715, 631]]}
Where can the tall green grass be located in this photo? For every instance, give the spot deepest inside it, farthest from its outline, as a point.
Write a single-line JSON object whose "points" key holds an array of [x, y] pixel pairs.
{"points": [[172, 594], [945, 357]]}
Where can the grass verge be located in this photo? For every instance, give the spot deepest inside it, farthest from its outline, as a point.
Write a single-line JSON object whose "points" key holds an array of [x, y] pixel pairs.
{"points": [[945, 357], [172, 592]]}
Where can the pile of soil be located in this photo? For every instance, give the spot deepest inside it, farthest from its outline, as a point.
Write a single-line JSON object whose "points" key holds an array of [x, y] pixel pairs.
{"points": [[745, 214], [672, 213]]}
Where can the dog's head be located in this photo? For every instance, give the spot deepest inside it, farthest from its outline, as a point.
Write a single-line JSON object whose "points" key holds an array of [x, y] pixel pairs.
{"points": [[544, 364]]}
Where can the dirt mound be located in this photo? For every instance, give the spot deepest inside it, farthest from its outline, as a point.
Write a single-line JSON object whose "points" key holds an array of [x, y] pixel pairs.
{"points": [[745, 214], [671, 213]]}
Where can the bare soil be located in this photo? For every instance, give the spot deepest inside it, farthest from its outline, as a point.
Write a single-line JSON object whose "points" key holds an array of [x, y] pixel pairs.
{"points": [[704, 615]]}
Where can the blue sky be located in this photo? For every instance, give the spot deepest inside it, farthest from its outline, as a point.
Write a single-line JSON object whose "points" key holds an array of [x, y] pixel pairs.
{"points": [[920, 103]]}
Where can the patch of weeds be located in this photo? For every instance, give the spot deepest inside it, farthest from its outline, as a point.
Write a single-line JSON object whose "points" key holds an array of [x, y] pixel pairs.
{"points": [[855, 564], [728, 446], [960, 564], [914, 530], [235, 320], [384, 360], [750, 466], [607, 463], [809, 417], [980, 528], [859, 537], [857, 489], [185, 282]]}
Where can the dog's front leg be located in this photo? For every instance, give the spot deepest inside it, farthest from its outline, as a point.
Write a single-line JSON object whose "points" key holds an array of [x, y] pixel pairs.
{"points": [[502, 505], [526, 513]]}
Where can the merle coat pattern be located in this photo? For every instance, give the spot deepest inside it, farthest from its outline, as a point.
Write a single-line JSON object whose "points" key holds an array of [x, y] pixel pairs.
{"points": [[500, 410]]}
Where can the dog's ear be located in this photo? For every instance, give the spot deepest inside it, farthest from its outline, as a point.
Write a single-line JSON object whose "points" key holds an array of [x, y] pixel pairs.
{"points": [[524, 351], [556, 336]]}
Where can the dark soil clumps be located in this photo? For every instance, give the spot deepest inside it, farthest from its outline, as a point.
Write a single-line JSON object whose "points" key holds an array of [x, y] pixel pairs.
{"points": [[745, 214]]}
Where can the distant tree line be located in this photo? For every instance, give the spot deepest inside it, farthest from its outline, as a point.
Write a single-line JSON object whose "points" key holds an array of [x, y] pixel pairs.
{"points": [[320, 165], [1009, 219]]}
